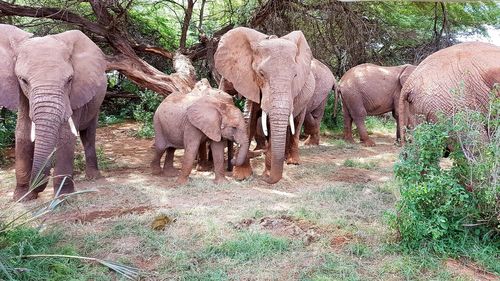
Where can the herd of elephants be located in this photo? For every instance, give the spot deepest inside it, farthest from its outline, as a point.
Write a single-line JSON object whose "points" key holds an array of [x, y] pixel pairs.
{"points": [[57, 84]]}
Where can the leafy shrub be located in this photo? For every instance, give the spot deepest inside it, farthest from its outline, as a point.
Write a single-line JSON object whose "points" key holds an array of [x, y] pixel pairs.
{"points": [[7, 129], [144, 112], [442, 207], [329, 122]]}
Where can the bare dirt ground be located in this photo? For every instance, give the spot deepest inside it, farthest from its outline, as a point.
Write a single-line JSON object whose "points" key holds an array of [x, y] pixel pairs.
{"points": [[328, 212]]}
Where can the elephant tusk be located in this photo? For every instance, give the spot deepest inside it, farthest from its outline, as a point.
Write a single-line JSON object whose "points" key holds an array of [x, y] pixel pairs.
{"points": [[32, 135], [72, 127], [292, 125], [264, 123]]}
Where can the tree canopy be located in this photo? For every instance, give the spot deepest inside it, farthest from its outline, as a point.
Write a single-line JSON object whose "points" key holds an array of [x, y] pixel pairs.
{"points": [[142, 36]]}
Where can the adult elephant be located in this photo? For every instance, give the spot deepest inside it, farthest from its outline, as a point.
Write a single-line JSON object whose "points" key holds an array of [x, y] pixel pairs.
{"points": [[274, 73], [324, 83], [458, 77], [367, 90], [57, 83]]}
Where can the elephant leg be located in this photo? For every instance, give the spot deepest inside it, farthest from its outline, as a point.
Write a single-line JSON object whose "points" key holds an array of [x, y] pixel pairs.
{"points": [[64, 162], [24, 161], [88, 140], [267, 160], [159, 148], [168, 166], [293, 155], [190, 150], [24, 155], [204, 163], [230, 152], [398, 136], [309, 127], [363, 133], [218, 156], [347, 125], [315, 122], [245, 171], [260, 139]]}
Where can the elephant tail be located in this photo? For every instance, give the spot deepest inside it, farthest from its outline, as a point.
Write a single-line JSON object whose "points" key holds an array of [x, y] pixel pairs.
{"points": [[403, 115], [336, 92]]}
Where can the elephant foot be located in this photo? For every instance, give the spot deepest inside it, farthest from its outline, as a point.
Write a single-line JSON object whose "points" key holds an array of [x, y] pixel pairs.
{"points": [[349, 139], [268, 179], [181, 180], [68, 187], [156, 170], [92, 174], [170, 172], [312, 140], [220, 180], [204, 166], [368, 143], [293, 160], [242, 172], [20, 192]]}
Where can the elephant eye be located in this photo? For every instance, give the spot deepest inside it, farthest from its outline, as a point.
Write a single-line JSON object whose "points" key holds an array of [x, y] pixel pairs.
{"points": [[23, 80], [70, 79]]}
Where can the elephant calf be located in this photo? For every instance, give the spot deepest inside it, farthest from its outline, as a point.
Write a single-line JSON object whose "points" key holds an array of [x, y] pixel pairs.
{"points": [[369, 89], [187, 120]]}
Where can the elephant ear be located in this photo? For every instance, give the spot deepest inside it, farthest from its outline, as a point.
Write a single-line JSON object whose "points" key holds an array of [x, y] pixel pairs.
{"points": [[204, 115], [233, 60], [9, 87], [89, 67], [407, 70], [303, 58]]}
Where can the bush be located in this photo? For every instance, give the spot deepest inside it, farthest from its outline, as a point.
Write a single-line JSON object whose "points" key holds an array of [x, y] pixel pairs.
{"points": [[442, 207], [7, 130], [329, 122], [145, 111]]}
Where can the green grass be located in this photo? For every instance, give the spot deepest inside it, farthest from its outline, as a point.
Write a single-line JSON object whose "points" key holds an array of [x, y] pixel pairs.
{"points": [[27, 241], [340, 144], [103, 161], [332, 267], [249, 245], [358, 164]]}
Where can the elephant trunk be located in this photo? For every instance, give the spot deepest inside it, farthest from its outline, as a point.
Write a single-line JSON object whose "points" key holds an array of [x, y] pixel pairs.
{"points": [[279, 119], [47, 117], [242, 140]]}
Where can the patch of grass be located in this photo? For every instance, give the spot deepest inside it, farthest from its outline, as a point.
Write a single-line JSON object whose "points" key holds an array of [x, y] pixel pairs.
{"points": [[358, 164], [341, 144], [215, 274], [359, 250], [333, 267], [306, 214], [104, 162], [249, 245], [335, 193], [27, 241], [382, 123], [105, 120]]}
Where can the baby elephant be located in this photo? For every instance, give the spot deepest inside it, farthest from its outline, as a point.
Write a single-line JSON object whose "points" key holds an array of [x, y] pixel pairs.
{"points": [[187, 120]]}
